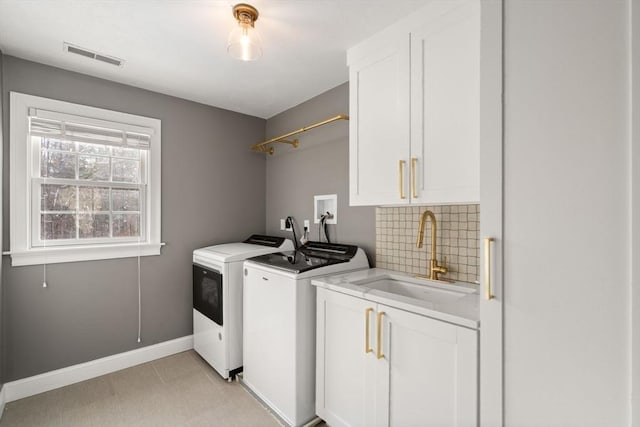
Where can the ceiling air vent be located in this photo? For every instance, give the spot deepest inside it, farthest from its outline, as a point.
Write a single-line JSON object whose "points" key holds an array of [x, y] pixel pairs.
{"points": [[93, 55]]}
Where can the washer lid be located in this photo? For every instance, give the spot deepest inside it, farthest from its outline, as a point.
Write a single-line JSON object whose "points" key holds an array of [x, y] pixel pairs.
{"points": [[294, 261], [310, 256], [230, 252]]}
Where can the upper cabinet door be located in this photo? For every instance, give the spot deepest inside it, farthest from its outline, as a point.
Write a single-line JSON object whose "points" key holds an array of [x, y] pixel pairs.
{"points": [[445, 116], [379, 123]]}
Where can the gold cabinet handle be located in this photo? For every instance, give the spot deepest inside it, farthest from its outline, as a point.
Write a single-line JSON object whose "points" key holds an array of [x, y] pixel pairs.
{"points": [[367, 344], [414, 165], [487, 267], [401, 177], [379, 354]]}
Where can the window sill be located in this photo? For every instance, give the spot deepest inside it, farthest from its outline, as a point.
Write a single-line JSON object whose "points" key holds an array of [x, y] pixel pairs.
{"points": [[54, 255]]}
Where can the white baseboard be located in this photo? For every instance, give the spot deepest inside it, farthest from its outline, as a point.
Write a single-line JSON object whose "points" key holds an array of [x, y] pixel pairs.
{"points": [[30, 386], [2, 400]]}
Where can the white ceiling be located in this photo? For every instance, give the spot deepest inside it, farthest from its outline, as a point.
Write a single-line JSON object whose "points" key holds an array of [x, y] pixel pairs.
{"points": [[178, 47]]}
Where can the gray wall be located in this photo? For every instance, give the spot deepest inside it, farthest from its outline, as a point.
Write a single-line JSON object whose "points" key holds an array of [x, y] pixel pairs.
{"points": [[566, 213], [213, 191], [320, 165]]}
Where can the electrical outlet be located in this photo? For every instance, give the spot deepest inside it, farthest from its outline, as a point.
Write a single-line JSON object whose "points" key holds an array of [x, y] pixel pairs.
{"points": [[306, 224], [282, 227]]}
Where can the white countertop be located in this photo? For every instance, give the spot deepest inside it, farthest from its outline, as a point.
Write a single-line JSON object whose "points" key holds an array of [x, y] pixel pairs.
{"points": [[462, 311]]}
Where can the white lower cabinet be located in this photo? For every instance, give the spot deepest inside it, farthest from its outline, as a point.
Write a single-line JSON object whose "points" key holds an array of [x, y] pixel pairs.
{"points": [[343, 368], [380, 366]]}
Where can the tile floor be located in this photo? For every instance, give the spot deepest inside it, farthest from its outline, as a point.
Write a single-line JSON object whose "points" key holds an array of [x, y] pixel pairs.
{"points": [[179, 390]]}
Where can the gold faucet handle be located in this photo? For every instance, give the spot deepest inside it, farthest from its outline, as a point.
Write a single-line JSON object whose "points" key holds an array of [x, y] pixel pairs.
{"points": [[442, 269]]}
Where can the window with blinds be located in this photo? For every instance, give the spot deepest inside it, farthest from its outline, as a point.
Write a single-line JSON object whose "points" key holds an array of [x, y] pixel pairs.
{"points": [[90, 179], [90, 183]]}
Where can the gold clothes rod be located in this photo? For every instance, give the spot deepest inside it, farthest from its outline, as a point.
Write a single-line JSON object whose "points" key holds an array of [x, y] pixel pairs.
{"points": [[262, 146]]}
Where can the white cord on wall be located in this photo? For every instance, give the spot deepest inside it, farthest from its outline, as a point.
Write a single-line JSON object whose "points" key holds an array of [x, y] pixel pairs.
{"points": [[44, 237], [139, 294], [44, 265]]}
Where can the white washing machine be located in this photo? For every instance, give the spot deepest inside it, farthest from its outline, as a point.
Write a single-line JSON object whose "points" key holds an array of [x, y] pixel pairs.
{"points": [[280, 324], [217, 299]]}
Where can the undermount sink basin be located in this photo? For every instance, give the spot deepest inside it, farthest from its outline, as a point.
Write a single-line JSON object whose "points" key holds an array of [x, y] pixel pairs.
{"points": [[455, 302], [421, 291]]}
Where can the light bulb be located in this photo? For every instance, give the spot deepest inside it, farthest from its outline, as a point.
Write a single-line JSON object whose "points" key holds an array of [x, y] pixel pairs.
{"points": [[245, 43]]}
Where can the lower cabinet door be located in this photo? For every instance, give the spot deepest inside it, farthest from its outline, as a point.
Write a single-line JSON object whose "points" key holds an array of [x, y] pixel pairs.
{"points": [[344, 354], [429, 372]]}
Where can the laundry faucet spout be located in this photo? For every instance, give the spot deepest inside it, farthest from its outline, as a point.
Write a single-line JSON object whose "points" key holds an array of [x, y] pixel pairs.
{"points": [[434, 268]]}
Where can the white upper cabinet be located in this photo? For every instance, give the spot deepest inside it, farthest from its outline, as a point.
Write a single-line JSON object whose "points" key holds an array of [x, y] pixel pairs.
{"points": [[379, 120], [445, 102], [414, 106]]}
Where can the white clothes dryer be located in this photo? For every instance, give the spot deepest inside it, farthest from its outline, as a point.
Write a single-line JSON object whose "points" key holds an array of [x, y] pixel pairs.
{"points": [[217, 299]]}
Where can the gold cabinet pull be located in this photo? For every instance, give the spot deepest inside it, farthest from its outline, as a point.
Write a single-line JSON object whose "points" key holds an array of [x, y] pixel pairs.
{"points": [[367, 344], [487, 267], [380, 355], [414, 165], [401, 177]]}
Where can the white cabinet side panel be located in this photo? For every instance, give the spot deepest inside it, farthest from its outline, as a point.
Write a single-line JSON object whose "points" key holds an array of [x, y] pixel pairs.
{"points": [[566, 213], [491, 215]]}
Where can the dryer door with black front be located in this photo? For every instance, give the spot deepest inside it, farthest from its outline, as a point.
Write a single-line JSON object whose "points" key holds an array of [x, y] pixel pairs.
{"points": [[207, 292]]}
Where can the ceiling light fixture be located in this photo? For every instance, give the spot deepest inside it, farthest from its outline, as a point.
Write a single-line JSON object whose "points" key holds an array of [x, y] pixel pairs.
{"points": [[244, 42]]}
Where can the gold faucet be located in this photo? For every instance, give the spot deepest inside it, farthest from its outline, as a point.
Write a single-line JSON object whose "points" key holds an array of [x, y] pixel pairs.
{"points": [[434, 268]]}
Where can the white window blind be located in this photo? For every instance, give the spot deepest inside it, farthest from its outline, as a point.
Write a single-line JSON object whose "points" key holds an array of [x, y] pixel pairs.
{"points": [[78, 129]]}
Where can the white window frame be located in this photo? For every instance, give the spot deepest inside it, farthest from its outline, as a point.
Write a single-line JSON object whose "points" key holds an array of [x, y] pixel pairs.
{"points": [[25, 249]]}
